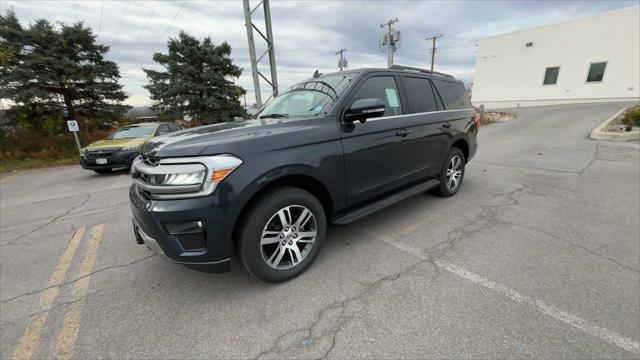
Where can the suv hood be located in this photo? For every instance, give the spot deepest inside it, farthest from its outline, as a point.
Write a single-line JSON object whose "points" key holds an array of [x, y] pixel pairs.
{"points": [[217, 138], [117, 143]]}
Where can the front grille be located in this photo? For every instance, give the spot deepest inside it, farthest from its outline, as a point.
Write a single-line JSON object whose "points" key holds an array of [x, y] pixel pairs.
{"points": [[99, 155]]}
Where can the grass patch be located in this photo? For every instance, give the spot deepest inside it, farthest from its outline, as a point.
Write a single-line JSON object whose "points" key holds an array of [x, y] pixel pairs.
{"points": [[631, 117]]}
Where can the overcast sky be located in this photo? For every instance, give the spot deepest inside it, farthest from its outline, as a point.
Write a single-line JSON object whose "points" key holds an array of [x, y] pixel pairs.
{"points": [[307, 33]]}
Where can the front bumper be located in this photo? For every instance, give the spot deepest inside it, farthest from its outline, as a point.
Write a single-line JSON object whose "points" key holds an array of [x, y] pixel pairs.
{"points": [[114, 159], [155, 223]]}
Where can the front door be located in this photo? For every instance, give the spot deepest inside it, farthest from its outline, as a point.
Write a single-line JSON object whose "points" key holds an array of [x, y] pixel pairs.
{"points": [[378, 154]]}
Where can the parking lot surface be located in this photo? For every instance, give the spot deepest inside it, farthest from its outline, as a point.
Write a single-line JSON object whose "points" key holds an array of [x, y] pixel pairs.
{"points": [[538, 256]]}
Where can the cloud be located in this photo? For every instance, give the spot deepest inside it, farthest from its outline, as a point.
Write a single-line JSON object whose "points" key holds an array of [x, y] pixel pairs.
{"points": [[307, 33]]}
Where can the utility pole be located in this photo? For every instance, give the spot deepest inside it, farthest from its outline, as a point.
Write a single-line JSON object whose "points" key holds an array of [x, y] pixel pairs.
{"points": [[268, 37], [390, 40], [342, 63], [433, 48]]}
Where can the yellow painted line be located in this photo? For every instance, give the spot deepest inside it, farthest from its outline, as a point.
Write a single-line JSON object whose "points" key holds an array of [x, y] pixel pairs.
{"points": [[71, 323], [29, 339]]}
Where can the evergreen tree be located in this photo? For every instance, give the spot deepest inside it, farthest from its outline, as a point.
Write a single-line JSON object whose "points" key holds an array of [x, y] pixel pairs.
{"points": [[197, 81], [57, 67]]}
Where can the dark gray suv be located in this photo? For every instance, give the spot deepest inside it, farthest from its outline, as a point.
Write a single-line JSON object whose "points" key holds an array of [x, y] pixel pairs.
{"points": [[330, 149]]}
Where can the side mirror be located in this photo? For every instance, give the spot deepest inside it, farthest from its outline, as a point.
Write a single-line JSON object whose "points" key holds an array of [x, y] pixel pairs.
{"points": [[364, 109]]}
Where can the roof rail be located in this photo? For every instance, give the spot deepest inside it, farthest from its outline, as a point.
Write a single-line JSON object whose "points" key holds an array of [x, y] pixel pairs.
{"points": [[411, 68]]}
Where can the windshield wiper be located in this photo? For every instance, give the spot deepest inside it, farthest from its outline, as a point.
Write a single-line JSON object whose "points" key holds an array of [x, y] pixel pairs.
{"points": [[274, 116]]}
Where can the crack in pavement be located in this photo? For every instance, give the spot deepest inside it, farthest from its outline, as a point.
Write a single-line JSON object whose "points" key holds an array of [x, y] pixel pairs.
{"points": [[77, 279], [308, 335], [50, 308], [10, 242]]}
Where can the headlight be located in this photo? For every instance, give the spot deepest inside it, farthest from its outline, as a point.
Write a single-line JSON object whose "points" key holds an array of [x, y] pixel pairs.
{"points": [[131, 148], [83, 152], [183, 177]]}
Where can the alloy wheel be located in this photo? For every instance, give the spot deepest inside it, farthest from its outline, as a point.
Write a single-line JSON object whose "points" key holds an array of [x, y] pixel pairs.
{"points": [[454, 173], [288, 237]]}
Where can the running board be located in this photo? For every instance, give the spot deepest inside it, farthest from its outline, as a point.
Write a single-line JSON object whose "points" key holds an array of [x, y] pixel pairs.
{"points": [[382, 203]]}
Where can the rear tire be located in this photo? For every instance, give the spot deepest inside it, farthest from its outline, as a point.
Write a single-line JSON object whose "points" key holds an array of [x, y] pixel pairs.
{"points": [[102, 171], [452, 173], [281, 234]]}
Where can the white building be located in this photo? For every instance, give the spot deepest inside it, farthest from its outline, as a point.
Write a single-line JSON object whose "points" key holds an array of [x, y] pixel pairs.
{"points": [[595, 59]]}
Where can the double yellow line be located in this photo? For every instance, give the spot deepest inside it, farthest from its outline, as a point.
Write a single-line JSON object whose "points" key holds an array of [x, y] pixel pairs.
{"points": [[68, 333]]}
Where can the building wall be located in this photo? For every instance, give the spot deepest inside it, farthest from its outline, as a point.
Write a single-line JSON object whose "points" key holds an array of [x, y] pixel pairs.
{"points": [[510, 74]]}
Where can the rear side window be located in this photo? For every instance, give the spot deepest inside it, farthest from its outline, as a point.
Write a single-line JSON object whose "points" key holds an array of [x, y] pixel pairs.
{"points": [[383, 88], [453, 94], [419, 95]]}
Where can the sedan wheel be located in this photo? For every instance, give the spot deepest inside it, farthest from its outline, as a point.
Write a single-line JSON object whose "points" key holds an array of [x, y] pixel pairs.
{"points": [[454, 173]]}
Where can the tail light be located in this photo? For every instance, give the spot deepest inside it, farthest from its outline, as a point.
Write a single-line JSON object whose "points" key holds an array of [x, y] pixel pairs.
{"points": [[476, 120]]}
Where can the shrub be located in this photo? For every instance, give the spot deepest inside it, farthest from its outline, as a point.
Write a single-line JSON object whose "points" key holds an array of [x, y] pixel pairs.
{"points": [[631, 117]]}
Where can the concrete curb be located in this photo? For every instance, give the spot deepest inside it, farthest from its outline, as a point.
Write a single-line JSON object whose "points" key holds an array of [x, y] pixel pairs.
{"points": [[599, 134]]}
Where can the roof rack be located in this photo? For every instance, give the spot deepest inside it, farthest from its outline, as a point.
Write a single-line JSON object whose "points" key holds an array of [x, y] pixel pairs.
{"points": [[411, 68]]}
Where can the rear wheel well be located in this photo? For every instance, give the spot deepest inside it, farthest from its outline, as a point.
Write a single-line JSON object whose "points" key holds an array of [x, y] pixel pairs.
{"points": [[304, 182], [463, 146]]}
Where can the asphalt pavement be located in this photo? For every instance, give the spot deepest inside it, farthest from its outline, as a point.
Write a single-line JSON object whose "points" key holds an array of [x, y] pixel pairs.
{"points": [[538, 256]]}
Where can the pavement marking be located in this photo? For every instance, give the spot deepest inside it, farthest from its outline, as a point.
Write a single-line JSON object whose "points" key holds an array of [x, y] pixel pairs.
{"points": [[68, 333], [29, 339], [581, 324]]}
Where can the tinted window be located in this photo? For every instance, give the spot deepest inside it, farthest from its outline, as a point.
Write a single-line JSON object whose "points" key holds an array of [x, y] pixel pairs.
{"points": [[163, 129], [551, 76], [383, 88], [419, 95], [596, 72], [453, 94], [174, 127]]}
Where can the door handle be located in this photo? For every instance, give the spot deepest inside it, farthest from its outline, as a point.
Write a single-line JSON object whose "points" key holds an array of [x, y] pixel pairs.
{"points": [[403, 132], [446, 125]]}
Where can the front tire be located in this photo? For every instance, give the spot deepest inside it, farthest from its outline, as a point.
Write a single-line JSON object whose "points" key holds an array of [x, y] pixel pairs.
{"points": [[281, 234], [452, 173]]}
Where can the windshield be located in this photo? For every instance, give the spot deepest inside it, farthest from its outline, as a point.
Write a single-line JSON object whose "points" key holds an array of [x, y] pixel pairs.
{"points": [[132, 132], [308, 98]]}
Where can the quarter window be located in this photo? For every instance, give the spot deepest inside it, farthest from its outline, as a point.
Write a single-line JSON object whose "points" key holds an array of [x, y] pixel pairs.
{"points": [[420, 96], [551, 76], [383, 88], [596, 72], [453, 94]]}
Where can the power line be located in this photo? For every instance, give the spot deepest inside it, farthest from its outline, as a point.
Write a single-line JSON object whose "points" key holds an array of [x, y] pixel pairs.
{"points": [[126, 6], [101, 12], [144, 28], [168, 26]]}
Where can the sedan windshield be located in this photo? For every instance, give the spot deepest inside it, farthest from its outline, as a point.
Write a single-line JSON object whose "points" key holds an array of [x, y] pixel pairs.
{"points": [[308, 98], [132, 132]]}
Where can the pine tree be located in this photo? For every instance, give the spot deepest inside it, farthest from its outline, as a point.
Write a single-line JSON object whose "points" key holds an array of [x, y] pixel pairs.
{"points": [[57, 67], [197, 81]]}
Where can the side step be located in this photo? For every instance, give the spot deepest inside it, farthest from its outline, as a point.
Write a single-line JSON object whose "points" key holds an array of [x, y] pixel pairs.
{"points": [[382, 203]]}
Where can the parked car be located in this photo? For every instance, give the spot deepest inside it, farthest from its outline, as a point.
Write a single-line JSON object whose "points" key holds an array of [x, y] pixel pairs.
{"points": [[330, 149], [120, 148]]}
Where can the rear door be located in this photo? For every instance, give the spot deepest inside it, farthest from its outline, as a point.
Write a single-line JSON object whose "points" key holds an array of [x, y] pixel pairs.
{"points": [[378, 154], [431, 138], [459, 111]]}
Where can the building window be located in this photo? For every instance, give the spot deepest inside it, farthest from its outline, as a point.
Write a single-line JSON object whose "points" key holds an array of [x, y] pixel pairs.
{"points": [[551, 76], [596, 72]]}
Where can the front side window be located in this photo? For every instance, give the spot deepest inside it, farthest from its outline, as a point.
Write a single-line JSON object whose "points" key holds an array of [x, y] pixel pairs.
{"points": [[551, 76], [383, 88], [132, 132], [420, 96], [596, 72], [163, 129], [309, 98]]}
